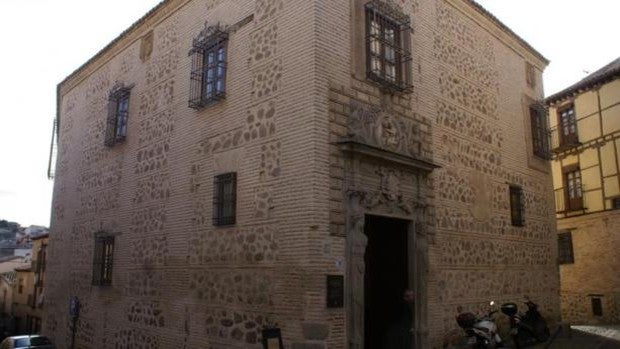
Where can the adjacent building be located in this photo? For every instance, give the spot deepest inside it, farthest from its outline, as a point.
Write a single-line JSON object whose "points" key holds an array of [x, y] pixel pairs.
{"points": [[27, 295], [226, 167], [585, 119]]}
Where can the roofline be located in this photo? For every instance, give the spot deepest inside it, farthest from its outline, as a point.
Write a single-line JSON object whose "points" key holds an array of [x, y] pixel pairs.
{"points": [[583, 86], [506, 29], [40, 236]]}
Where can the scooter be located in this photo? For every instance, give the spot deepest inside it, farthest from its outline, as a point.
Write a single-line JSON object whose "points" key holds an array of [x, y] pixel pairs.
{"points": [[481, 332], [527, 329]]}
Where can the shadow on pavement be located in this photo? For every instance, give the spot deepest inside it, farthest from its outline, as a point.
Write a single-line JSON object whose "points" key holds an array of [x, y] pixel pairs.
{"points": [[589, 337]]}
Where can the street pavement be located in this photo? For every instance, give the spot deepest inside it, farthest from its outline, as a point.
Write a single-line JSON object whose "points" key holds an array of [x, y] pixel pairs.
{"points": [[587, 337]]}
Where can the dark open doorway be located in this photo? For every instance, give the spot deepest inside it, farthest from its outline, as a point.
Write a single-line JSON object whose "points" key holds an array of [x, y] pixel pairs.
{"points": [[385, 279]]}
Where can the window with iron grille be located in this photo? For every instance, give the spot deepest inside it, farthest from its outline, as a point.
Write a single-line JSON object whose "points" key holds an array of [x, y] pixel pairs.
{"points": [[516, 205], [567, 125], [597, 306], [118, 112], [540, 131], [565, 248], [208, 67], [388, 57], [102, 260], [225, 199]]}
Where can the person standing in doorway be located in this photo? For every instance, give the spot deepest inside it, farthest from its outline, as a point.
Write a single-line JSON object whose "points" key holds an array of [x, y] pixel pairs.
{"points": [[401, 332]]}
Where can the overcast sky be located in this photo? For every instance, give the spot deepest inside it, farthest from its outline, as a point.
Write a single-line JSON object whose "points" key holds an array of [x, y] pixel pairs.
{"points": [[43, 41]]}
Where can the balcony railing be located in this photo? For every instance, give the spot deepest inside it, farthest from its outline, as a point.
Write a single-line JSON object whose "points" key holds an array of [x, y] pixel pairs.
{"points": [[565, 203], [558, 144]]}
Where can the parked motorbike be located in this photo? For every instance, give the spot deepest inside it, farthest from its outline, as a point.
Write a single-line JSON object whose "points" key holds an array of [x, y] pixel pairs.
{"points": [[527, 329], [481, 332]]}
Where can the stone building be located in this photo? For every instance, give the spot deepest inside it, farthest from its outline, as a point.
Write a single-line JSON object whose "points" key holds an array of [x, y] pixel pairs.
{"points": [[229, 166], [586, 143]]}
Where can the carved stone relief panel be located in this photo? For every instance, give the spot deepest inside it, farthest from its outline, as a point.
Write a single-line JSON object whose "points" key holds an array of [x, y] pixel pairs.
{"points": [[374, 126]]}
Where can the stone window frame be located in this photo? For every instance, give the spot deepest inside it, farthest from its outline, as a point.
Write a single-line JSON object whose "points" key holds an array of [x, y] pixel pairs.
{"points": [[118, 114], [103, 259], [380, 19], [566, 253], [540, 131], [209, 55], [225, 199], [516, 206]]}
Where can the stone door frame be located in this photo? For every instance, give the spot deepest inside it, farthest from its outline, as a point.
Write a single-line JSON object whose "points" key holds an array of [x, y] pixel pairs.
{"points": [[360, 204]]}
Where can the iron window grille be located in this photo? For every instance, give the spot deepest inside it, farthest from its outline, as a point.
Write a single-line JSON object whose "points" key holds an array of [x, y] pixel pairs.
{"points": [[565, 248], [208, 67], [540, 131], [597, 306], [516, 206], [224, 199], [388, 53], [118, 112], [102, 260]]}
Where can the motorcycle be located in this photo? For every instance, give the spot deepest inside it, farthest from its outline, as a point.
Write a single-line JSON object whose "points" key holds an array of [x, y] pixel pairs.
{"points": [[529, 328], [481, 332]]}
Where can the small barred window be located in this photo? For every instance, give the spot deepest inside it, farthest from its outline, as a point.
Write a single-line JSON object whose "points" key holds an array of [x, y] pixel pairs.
{"points": [[388, 57], [208, 74], [225, 199], [540, 131], [102, 260], [565, 248], [118, 112], [516, 205]]}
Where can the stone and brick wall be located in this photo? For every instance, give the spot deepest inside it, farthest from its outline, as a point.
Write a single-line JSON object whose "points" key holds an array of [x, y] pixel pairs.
{"points": [[294, 89]]}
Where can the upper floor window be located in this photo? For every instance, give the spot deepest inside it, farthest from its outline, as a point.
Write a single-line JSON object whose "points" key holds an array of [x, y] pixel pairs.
{"points": [[208, 75], [102, 260], [225, 199], [573, 191], [565, 248], [388, 58], [567, 125], [615, 203], [516, 205], [540, 132], [597, 306], [118, 112]]}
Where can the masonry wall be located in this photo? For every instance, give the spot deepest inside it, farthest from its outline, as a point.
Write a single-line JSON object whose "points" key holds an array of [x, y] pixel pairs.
{"points": [[593, 273], [594, 228], [178, 281], [470, 110], [292, 89]]}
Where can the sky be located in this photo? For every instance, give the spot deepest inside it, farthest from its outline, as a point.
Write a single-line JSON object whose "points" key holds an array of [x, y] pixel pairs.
{"points": [[43, 41]]}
